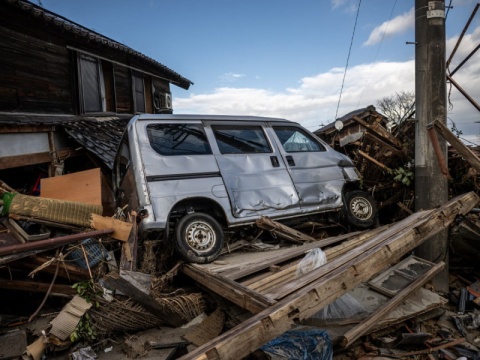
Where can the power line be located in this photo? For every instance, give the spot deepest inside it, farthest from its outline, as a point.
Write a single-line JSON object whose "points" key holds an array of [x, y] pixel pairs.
{"points": [[348, 57]]}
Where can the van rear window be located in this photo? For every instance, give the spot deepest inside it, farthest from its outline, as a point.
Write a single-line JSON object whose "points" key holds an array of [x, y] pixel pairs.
{"points": [[178, 139], [241, 139]]}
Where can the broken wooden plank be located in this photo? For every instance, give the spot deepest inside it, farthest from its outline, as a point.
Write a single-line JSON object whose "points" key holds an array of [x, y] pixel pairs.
{"points": [[66, 270], [368, 247], [467, 154], [379, 130], [279, 256], [113, 280], [353, 334], [268, 324], [36, 286], [230, 290], [374, 161], [283, 231], [121, 229]]}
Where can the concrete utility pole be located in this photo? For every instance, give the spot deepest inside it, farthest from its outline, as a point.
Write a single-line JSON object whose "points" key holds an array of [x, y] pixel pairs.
{"points": [[431, 188]]}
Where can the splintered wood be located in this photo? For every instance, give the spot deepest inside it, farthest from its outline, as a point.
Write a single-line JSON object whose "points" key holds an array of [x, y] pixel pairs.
{"points": [[302, 297]]}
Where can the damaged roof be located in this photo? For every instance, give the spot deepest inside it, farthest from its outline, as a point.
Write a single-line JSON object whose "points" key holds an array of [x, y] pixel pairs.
{"points": [[99, 136], [75, 30]]}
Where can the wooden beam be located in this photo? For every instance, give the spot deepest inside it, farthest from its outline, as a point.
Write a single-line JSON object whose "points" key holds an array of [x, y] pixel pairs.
{"points": [[283, 231], [245, 338], [13, 161], [230, 290], [35, 286], [379, 130], [376, 162], [366, 248], [462, 149], [150, 304], [353, 334]]}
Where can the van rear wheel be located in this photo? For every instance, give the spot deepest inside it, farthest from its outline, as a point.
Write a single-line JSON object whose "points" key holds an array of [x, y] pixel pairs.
{"points": [[198, 238], [360, 209]]}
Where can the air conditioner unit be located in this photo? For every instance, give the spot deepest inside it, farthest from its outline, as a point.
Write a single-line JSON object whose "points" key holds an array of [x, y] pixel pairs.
{"points": [[168, 101], [162, 101]]}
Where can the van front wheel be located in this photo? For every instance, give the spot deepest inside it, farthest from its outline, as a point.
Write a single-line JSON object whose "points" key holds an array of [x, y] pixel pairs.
{"points": [[360, 209], [199, 238]]}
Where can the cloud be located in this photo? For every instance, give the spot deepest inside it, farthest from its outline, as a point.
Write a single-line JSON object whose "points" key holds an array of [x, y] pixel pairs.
{"points": [[231, 77], [311, 103], [397, 25], [313, 100], [348, 5]]}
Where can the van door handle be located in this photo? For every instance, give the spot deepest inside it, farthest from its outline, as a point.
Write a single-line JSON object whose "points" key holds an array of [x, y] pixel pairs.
{"points": [[274, 161], [290, 160]]}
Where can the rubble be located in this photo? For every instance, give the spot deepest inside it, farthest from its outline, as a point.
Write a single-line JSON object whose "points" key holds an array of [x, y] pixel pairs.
{"points": [[370, 299]]}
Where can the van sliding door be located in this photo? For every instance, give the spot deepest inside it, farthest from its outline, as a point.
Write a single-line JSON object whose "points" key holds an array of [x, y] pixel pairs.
{"points": [[253, 171]]}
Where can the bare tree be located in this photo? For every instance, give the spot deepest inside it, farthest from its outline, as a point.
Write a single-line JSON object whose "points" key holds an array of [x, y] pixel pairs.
{"points": [[397, 107]]}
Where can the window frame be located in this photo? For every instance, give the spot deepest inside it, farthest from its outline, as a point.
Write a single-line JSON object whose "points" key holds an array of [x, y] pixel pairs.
{"points": [[221, 148], [311, 138], [204, 139]]}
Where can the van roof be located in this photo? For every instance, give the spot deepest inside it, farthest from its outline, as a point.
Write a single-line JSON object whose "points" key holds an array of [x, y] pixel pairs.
{"points": [[206, 117]]}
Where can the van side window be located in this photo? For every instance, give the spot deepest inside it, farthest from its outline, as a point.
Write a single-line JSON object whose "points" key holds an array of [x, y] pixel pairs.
{"points": [[237, 139], [294, 139], [178, 139]]}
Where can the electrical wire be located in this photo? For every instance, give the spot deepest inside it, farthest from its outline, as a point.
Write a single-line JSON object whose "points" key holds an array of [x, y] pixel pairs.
{"points": [[348, 58]]}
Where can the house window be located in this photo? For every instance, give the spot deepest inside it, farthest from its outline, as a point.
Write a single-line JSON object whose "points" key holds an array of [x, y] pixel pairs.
{"points": [[92, 87], [139, 93]]}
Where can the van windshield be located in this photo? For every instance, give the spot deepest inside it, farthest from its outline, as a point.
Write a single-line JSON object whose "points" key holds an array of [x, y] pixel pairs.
{"points": [[178, 139]]}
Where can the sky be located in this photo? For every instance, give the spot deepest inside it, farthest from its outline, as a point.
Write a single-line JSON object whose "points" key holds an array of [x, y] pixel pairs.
{"points": [[284, 58]]}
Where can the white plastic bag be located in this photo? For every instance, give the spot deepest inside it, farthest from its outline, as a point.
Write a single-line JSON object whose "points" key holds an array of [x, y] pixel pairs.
{"points": [[314, 259]]}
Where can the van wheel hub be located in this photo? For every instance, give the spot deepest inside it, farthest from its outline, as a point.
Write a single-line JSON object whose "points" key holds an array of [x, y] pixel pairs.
{"points": [[361, 208], [200, 236]]}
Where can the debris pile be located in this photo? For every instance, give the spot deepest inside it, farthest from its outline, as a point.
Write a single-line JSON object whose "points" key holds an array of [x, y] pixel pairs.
{"points": [[384, 152], [76, 281]]}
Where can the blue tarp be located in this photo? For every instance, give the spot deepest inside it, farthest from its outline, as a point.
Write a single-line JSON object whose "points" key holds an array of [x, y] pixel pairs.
{"points": [[310, 344]]}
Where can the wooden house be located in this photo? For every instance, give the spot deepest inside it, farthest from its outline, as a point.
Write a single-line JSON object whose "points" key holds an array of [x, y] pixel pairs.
{"points": [[56, 74]]}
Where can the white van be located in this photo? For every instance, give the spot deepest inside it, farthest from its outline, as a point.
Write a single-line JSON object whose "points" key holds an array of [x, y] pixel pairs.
{"points": [[195, 176]]}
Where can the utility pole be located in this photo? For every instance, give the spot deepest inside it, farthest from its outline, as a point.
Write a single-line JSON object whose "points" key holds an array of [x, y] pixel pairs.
{"points": [[431, 188]]}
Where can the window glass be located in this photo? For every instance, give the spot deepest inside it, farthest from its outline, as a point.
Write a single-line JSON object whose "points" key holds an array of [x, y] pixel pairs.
{"points": [[178, 139], [91, 84], [139, 93], [241, 139], [294, 139]]}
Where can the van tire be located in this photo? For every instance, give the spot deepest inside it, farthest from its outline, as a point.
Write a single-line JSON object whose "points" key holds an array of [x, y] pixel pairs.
{"points": [[198, 238], [360, 209]]}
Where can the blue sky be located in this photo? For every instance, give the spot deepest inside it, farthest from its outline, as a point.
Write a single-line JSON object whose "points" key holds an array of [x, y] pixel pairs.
{"points": [[282, 58]]}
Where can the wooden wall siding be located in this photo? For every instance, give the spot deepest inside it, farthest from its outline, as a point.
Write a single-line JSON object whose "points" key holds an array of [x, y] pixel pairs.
{"points": [[123, 90], [34, 75]]}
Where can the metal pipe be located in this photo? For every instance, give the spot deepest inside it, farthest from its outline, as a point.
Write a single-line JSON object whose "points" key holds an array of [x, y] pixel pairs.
{"points": [[463, 92], [45, 244], [438, 151], [463, 33], [465, 60]]}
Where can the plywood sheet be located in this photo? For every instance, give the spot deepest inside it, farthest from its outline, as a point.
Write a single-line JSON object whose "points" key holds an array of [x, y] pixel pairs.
{"points": [[83, 186]]}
